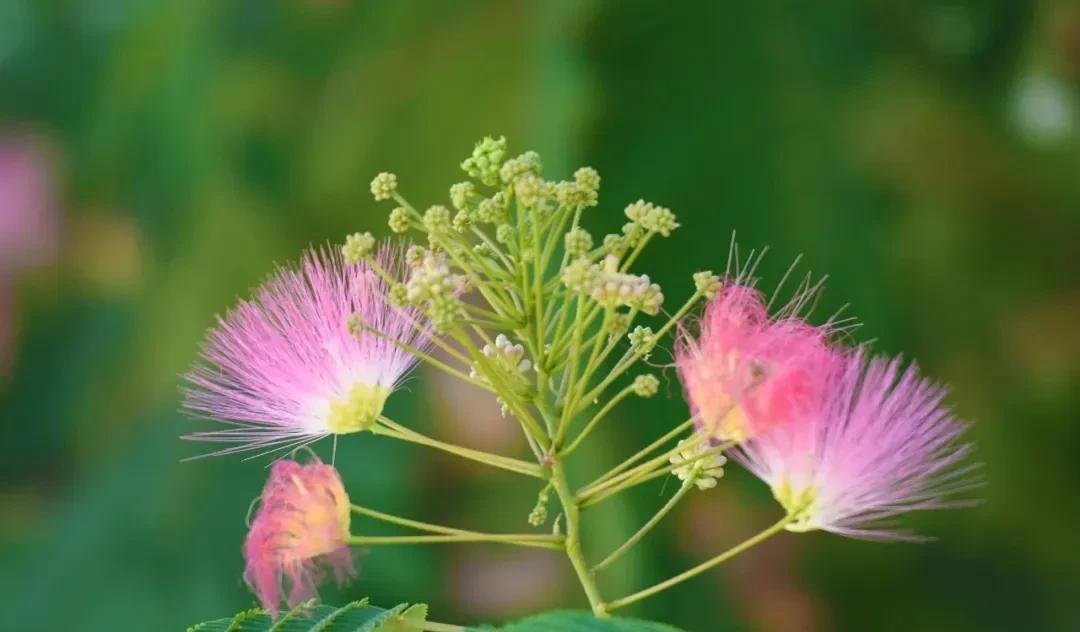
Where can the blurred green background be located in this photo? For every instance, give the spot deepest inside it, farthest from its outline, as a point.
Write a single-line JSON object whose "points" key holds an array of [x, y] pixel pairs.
{"points": [[158, 157]]}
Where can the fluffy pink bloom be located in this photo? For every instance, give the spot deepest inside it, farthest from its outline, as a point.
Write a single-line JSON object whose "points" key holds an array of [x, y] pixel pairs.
{"points": [[880, 444], [746, 372], [284, 369], [300, 531]]}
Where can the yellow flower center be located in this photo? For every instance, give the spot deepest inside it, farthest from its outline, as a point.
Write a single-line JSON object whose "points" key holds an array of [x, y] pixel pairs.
{"points": [[359, 410], [799, 504]]}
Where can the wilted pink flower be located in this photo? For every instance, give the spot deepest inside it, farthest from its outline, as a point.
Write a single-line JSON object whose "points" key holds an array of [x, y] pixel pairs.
{"points": [[284, 368], [882, 443], [300, 531], [746, 372]]}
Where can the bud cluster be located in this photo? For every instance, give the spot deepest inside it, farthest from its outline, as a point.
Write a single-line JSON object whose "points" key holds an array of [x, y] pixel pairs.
{"points": [[703, 471]]}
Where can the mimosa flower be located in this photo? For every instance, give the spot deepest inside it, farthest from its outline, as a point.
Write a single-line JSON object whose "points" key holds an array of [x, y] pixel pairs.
{"points": [[746, 372], [300, 532], [881, 444], [284, 368]]}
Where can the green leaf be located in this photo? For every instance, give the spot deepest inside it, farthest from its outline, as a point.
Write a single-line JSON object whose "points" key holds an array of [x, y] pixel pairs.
{"points": [[579, 622], [357, 616]]}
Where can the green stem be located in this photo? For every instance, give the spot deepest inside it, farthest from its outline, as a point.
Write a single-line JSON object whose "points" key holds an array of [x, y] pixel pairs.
{"points": [[632, 357], [644, 452], [644, 468], [644, 477], [701, 568], [397, 431], [597, 418], [573, 537], [553, 542], [438, 364], [655, 520], [435, 528]]}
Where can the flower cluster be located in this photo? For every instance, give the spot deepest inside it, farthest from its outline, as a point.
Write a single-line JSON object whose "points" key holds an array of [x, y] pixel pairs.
{"points": [[524, 305]]}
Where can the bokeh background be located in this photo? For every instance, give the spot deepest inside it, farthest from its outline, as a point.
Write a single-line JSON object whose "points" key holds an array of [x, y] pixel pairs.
{"points": [[157, 158]]}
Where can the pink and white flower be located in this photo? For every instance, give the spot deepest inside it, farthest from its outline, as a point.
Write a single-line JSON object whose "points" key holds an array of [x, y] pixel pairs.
{"points": [[300, 532], [285, 368], [746, 372], [880, 444]]}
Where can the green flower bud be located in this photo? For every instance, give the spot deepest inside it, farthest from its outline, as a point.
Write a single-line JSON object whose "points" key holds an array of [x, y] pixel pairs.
{"points": [[578, 242], [652, 218], [702, 471], [486, 160], [614, 244], [646, 385], [504, 233], [399, 295], [530, 190], [414, 255], [490, 212], [580, 275], [707, 283], [399, 220], [528, 162], [437, 219], [642, 340], [443, 312], [461, 221], [383, 186], [588, 179], [460, 194], [357, 246]]}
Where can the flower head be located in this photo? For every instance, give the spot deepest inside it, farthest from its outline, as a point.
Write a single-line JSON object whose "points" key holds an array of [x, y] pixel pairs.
{"points": [[284, 368], [882, 443], [746, 371], [300, 531]]}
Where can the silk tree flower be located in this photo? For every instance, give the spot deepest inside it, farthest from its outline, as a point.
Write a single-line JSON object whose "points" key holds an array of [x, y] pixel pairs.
{"points": [[284, 368], [746, 371], [299, 534], [881, 444]]}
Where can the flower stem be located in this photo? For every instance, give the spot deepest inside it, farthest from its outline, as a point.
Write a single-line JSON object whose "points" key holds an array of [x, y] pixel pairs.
{"points": [[597, 418], [655, 520], [397, 431], [701, 568], [646, 476], [646, 451], [442, 530], [546, 541], [572, 542]]}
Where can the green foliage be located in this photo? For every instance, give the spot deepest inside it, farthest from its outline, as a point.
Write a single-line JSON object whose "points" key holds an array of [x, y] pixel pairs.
{"points": [[580, 622], [357, 616]]}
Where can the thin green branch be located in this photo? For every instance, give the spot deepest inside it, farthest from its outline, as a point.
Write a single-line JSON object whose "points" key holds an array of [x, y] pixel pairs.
{"points": [[397, 431], [701, 568], [655, 520], [591, 425]]}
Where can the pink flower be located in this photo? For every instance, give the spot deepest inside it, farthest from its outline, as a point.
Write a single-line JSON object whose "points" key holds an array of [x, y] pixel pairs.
{"points": [[300, 531], [882, 443], [284, 369], [747, 372]]}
